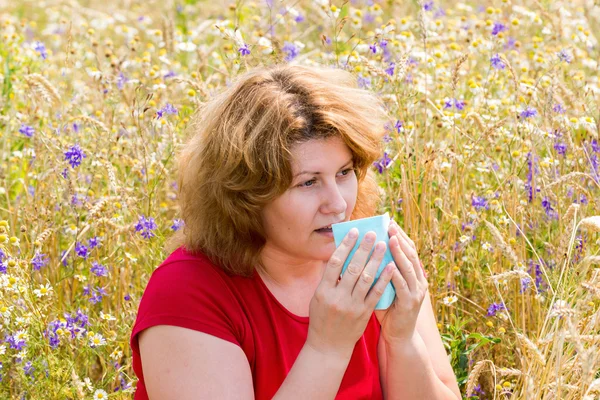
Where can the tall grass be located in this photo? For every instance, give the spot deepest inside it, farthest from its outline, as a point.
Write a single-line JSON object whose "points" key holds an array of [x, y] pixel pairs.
{"points": [[491, 167]]}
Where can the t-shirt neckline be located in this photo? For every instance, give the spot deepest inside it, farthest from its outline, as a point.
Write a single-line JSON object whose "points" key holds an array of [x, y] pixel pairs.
{"points": [[298, 318]]}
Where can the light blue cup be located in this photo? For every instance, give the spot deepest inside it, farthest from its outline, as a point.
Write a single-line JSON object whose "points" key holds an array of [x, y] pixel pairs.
{"points": [[378, 224]]}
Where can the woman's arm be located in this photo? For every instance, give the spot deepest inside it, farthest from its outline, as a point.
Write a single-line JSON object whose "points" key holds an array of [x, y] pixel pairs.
{"points": [[314, 375], [180, 363], [420, 367]]}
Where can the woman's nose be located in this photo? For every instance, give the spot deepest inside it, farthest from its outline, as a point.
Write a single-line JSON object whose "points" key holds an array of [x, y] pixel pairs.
{"points": [[334, 201]]}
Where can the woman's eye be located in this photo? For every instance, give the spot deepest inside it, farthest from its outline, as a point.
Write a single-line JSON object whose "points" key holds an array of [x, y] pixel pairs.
{"points": [[345, 172]]}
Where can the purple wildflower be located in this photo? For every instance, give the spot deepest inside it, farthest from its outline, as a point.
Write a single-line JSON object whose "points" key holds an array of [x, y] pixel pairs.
{"points": [[459, 104], [399, 124], [595, 146], [494, 308], [479, 202], [98, 269], [448, 103], [74, 156], [561, 148], [40, 48], [528, 113], [299, 18], [498, 27], [39, 260], [94, 242], [26, 130], [121, 80], [167, 109], [291, 49], [547, 205], [497, 62], [28, 368], [564, 56], [510, 43], [177, 224], [244, 50], [558, 108], [127, 297], [81, 250], [145, 227], [383, 162], [390, 70], [363, 82], [170, 74], [373, 48], [428, 5], [525, 283]]}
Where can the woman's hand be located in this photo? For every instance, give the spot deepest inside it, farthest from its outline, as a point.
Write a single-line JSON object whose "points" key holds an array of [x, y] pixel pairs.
{"points": [[398, 322], [339, 311]]}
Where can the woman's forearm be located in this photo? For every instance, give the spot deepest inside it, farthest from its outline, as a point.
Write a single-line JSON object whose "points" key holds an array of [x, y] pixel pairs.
{"points": [[314, 375], [410, 374]]}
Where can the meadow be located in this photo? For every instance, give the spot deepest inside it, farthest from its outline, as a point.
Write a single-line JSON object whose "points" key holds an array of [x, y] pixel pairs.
{"points": [[490, 165]]}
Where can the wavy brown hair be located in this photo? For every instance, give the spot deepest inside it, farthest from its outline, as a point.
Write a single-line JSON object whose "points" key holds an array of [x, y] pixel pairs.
{"points": [[238, 158]]}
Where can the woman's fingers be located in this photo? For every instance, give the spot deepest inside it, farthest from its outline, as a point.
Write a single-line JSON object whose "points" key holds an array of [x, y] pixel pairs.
{"points": [[338, 259], [377, 290], [367, 277], [412, 256], [357, 264], [404, 265]]}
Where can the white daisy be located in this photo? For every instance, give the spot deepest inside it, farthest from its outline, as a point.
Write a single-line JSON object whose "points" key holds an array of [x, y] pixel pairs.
{"points": [[44, 290], [97, 340], [449, 300], [100, 395]]}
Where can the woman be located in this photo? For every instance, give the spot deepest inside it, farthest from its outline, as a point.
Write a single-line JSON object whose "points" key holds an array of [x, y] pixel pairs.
{"points": [[250, 304]]}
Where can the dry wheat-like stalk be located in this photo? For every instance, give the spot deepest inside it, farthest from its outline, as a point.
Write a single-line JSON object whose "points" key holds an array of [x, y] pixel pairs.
{"points": [[570, 212], [529, 345], [474, 375], [402, 66], [509, 372], [92, 121], [502, 245], [459, 62], [591, 223], [112, 180], [44, 88], [43, 236], [168, 34], [477, 118], [566, 178], [594, 386], [95, 210], [193, 84], [510, 70]]}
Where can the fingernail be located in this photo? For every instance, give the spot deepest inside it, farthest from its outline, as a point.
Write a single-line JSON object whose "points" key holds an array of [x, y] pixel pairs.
{"points": [[353, 233]]}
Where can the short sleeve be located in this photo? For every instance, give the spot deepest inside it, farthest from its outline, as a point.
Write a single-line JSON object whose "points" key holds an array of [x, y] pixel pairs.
{"points": [[190, 295]]}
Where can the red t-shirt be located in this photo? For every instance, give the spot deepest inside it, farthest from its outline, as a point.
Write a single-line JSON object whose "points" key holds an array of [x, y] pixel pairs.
{"points": [[189, 291]]}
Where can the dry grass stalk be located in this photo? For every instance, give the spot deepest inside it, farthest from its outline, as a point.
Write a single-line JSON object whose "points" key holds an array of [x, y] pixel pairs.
{"points": [[509, 372], [476, 372], [570, 212], [43, 236], [502, 245], [193, 84], [112, 180], [477, 118], [44, 88], [401, 67], [511, 71], [92, 121], [532, 348], [97, 208], [459, 62], [566, 178], [168, 35], [591, 223]]}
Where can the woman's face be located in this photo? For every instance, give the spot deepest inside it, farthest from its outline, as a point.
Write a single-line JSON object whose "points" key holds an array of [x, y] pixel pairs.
{"points": [[323, 192]]}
